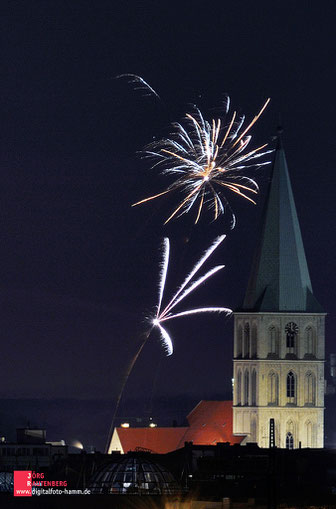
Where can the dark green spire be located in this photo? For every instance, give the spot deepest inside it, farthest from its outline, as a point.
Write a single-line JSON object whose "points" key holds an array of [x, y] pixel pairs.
{"points": [[279, 279]]}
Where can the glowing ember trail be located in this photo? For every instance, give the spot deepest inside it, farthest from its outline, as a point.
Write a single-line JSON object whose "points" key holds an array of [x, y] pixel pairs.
{"points": [[187, 287], [208, 158], [139, 84]]}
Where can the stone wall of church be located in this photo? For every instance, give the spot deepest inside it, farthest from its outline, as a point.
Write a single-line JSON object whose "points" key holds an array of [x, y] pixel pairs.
{"points": [[264, 383], [279, 373], [305, 425], [263, 335]]}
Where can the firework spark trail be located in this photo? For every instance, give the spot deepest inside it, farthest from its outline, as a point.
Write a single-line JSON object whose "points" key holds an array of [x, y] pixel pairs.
{"points": [[144, 339], [140, 83], [166, 314], [164, 270], [184, 290], [207, 157], [195, 269]]}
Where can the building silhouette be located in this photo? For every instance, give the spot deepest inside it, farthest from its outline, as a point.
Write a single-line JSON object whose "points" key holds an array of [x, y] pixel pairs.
{"points": [[279, 332]]}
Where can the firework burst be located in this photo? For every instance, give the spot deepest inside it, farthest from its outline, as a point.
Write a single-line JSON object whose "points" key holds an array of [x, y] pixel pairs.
{"points": [[207, 159], [188, 286], [165, 314]]}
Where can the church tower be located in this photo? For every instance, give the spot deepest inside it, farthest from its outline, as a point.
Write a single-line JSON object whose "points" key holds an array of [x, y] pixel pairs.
{"points": [[279, 332]]}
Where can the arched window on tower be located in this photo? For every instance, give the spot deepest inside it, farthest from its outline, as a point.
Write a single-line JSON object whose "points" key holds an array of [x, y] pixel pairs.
{"points": [[254, 388], [310, 389], [310, 342], [272, 389], [246, 352], [291, 388], [291, 331], [289, 441], [309, 434], [239, 341], [290, 434], [239, 388], [273, 342], [254, 341], [246, 387]]}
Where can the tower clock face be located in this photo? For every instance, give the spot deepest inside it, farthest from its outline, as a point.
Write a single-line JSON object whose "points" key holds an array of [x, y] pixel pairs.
{"points": [[291, 328]]}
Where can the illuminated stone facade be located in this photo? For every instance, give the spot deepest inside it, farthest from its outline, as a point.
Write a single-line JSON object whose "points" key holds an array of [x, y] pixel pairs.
{"points": [[279, 332], [273, 380]]}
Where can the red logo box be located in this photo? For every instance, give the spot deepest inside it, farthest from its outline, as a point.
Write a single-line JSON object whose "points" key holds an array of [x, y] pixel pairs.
{"points": [[22, 483]]}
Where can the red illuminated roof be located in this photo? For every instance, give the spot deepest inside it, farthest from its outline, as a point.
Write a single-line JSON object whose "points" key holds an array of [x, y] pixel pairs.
{"points": [[210, 422], [157, 440]]}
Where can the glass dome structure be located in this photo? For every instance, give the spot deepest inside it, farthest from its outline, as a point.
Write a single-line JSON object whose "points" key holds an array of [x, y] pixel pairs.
{"points": [[134, 475], [6, 482]]}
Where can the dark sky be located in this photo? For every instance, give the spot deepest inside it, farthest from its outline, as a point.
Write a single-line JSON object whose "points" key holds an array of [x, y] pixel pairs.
{"points": [[78, 265]]}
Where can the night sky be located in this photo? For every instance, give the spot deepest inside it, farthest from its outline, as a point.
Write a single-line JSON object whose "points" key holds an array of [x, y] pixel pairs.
{"points": [[79, 266]]}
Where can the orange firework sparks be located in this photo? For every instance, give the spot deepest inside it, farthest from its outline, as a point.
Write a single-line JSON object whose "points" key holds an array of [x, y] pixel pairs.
{"points": [[207, 160]]}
